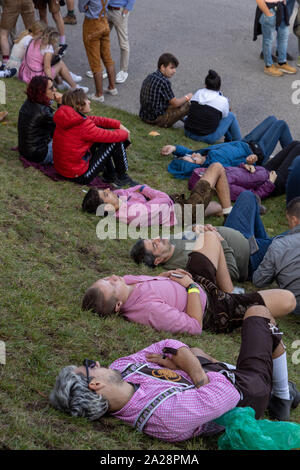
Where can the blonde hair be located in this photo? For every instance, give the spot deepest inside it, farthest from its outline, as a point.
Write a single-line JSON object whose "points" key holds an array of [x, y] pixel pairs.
{"points": [[49, 37], [36, 30]]}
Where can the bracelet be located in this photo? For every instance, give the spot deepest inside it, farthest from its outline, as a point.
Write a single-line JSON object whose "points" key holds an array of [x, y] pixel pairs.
{"points": [[191, 285], [194, 289]]}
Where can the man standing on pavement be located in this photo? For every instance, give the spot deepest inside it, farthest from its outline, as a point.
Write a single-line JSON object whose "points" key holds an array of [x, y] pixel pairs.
{"points": [[97, 45], [117, 15]]}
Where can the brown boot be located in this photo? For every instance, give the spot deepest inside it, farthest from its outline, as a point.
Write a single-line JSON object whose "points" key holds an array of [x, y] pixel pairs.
{"points": [[70, 19], [200, 194]]}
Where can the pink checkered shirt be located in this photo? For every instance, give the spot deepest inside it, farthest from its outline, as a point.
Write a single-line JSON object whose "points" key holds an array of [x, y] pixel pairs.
{"points": [[184, 415]]}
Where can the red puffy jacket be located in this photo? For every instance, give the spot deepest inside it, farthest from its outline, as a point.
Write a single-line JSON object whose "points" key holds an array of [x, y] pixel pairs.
{"points": [[75, 134]]}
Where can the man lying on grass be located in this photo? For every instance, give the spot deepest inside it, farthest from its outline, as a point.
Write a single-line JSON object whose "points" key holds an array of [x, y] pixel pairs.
{"points": [[179, 301], [174, 393]]}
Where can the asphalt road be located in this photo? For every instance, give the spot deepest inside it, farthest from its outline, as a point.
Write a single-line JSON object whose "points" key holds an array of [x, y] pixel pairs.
{"points": [[202, 34]]}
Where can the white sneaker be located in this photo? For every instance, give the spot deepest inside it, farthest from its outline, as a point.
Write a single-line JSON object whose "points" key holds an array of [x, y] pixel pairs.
{"points": [[121, 76], [76, 78], [113, 92], [93, 97], [90, 74], [84, 88]]}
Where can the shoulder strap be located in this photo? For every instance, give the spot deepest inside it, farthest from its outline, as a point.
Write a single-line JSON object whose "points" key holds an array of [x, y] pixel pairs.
{"points": [[25, 60], [103, 10]]}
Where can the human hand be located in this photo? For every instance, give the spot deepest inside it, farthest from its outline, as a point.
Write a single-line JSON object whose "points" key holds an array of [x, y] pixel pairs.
{"points": [[168, 149], [57, 97], [251, 159], [196, 158], [249, 168], [273, 176], [125, 11], [189, 96], [180, 276], [162, 360]]}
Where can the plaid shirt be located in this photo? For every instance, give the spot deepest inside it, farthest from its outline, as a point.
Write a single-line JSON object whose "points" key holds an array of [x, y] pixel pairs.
{"points": [[156, 92], [184, 415]]}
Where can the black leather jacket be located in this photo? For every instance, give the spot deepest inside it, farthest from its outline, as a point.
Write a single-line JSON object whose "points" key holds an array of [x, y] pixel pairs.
{"points": [[35, 130]]}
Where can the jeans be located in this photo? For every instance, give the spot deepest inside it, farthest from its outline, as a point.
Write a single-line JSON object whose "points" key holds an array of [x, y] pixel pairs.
{"points": [[49, 157], [268, 26], [268, 133], [245, 218], [292, 185], [228, 127]]}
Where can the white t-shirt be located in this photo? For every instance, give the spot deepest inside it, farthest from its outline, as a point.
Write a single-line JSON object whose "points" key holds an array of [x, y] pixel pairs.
{"points": [[18, 52]]}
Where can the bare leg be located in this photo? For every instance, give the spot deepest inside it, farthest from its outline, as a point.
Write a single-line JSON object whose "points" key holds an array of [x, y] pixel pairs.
{"points": [[4, 42], [280, 302], [111, 76], [59, 23], [216, 176], [98, 83], [212, 248], [62, 69], [43, 14]]}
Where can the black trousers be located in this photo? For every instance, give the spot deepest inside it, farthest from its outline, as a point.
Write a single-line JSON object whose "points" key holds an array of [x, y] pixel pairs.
{"points": [[101, 155], [281, 163]]}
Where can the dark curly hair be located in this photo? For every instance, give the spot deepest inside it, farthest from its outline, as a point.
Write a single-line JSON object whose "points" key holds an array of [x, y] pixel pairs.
{"points": [[36, 90]]}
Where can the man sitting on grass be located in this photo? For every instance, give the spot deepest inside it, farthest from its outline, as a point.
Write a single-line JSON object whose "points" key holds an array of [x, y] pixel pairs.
{"points": [[174, 393], [158, 104], [180, 301], [281, 261]]}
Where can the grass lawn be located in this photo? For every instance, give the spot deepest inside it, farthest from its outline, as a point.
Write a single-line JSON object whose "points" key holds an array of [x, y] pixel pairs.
{"points": [[49, 255]]}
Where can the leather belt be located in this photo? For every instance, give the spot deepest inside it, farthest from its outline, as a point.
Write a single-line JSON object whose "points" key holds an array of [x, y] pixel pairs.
{"points": [[113, 8]]}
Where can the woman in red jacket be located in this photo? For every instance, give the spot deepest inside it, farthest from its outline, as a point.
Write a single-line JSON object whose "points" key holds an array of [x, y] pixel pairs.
{"points": [[84, 145]]}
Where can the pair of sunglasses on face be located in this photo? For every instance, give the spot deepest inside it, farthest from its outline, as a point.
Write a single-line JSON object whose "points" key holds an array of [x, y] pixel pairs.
{"points": [[88, 364]]}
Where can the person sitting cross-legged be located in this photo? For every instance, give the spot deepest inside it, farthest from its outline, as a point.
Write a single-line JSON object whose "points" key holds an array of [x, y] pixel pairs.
{"points": [[189, 388], [184, 301]]}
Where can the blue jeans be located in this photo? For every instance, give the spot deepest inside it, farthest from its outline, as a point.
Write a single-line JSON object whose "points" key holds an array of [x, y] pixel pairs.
{"points": [[228, 127], [49, 157], [268, 26], [292, 184], [268, 133], [245, 218]]}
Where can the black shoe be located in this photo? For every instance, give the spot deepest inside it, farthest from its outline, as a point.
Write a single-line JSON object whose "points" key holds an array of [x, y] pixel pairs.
{"points": [[8, 73], [295, 394], [124, 180], [288, 56], [108, 177], [280, 408], [62, 50]]}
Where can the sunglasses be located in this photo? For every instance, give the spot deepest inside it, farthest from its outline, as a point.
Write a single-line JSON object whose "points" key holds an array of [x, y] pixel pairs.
{"points": [[88, 363]]}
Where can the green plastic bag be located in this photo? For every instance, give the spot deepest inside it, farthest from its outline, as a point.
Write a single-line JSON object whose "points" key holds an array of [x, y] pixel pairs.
{"points": [[244, 432]]}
